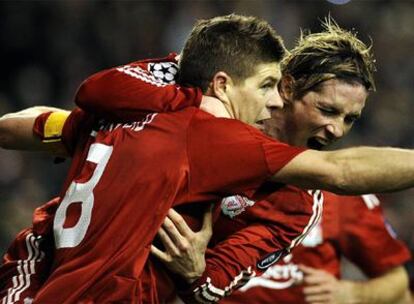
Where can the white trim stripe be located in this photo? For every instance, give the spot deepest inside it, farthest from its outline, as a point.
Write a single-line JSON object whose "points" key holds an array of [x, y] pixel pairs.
{"points": [[208, 293], [25, 269], [317, 209]]}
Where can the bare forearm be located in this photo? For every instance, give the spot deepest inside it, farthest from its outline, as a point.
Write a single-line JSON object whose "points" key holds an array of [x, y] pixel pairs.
{"points": [[16, 129], [391, 288], [352, 171]]}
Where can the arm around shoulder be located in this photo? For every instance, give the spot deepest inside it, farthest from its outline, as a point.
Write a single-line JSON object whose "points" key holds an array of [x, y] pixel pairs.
{"points": [[16, 129], [351, 171]]}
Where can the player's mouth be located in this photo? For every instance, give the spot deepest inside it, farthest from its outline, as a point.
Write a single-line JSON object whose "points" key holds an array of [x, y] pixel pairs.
{"points": [[260, 125], [317, 143]]}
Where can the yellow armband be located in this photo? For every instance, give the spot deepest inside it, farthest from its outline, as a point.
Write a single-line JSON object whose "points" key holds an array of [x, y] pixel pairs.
{"points": [[54, 127]]}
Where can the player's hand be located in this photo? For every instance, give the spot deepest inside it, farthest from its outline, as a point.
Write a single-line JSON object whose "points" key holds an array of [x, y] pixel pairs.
{"points": [[214, 106], [322, 287], [184, 248]]}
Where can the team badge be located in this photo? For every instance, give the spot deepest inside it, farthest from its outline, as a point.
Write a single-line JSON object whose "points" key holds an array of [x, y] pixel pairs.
{"points": [[164, 71], [234, 205]]}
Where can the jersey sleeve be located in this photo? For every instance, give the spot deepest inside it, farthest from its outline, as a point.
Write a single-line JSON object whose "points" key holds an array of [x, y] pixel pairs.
{"points": [[367, 239], [228, 157], [273, 227], [131, 91]]}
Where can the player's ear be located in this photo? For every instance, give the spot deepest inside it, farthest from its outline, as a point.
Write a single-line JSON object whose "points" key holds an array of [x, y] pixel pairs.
{"points": [[219, 87], [286, 88]]}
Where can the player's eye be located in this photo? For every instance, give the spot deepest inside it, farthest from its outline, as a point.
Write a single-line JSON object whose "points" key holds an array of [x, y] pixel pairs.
{"points": [[327, 111], [268, 86]]}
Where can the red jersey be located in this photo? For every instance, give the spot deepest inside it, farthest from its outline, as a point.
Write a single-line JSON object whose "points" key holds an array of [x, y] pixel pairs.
{"points": [[259, 237], [71, 143], [103, 234], [353, 227], [258, 232], [102, 94], [253, 231]]}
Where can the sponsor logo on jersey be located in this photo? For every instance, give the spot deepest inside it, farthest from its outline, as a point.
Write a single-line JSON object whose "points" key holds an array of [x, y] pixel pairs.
{"points": [[164, 71], [235, 204], [279, 276], [270, 259]]}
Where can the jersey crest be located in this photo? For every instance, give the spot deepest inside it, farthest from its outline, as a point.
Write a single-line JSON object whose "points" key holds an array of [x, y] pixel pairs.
{"points": [[235, 205]]}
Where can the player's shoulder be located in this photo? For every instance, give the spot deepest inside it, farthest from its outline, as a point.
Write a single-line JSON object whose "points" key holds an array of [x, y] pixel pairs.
{"points": [[289, 196], [371, 201], [366, 202], [293, 191], [205, 122], [355, 209]]}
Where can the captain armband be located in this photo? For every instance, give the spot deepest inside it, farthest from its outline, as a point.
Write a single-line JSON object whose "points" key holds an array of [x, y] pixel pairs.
{"points": [[53, 127]]}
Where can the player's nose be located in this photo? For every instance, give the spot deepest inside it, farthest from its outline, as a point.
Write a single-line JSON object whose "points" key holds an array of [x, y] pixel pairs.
{"points": [[275, 100]]}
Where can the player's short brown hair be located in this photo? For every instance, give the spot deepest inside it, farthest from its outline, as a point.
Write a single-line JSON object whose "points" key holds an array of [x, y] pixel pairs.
{"points": [[332, 53], [234, 44]]}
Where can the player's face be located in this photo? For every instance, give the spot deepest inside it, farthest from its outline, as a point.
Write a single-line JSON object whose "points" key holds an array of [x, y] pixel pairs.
{"points": [[251, 100], [321, 118]]}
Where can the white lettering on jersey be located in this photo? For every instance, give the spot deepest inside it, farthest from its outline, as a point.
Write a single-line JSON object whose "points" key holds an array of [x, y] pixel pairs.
{"points": [[134, 126], [80, 193]]}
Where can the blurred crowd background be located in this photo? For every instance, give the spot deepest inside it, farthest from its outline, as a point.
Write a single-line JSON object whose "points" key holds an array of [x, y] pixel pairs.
{"points": [[48, 47]]}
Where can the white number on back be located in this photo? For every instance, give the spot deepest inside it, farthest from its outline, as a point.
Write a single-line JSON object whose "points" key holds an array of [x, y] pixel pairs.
{"points": [[80, 193]]}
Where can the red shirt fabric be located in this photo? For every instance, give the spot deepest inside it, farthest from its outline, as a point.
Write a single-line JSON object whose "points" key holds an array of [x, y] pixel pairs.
{"points": [[131, 91], [275, 222], [117, 90], [244, 246], [353, 227], [203, 158], [27, 262], [168, 159]]}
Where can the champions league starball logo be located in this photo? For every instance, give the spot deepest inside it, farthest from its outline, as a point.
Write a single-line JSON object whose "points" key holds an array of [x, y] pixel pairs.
{"points": [[164, 71]]}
